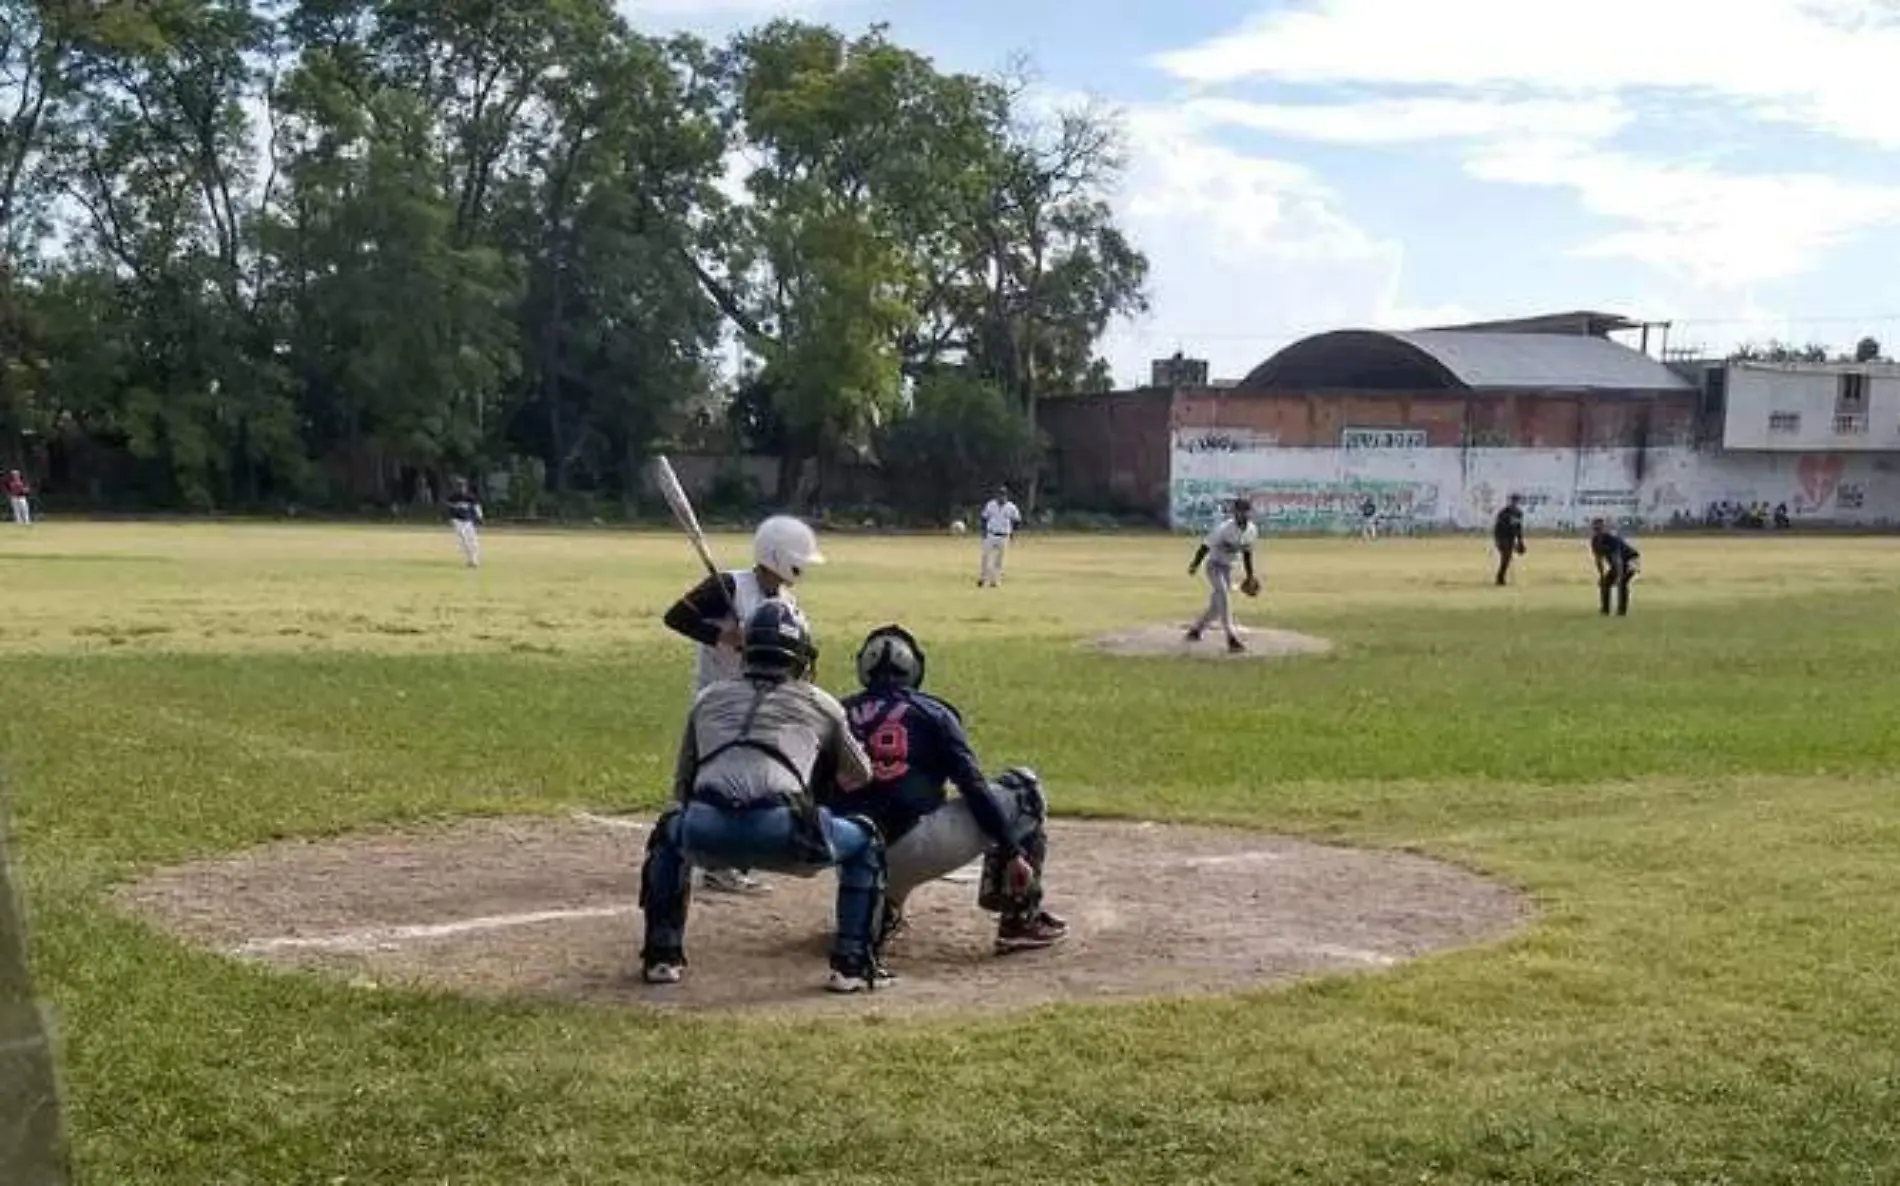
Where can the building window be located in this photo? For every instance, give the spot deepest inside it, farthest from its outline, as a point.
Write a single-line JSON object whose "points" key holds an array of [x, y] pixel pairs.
{"points": [[1784, 422], [1850, 405], [1852, 398]]}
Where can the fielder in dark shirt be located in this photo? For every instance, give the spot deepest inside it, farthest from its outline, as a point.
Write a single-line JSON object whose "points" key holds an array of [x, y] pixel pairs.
{"points": [[1507, 534], [1617, 565]]}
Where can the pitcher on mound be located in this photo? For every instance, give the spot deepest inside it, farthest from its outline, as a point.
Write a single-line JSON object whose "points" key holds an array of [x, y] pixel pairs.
{"points": [[1233, 539]]}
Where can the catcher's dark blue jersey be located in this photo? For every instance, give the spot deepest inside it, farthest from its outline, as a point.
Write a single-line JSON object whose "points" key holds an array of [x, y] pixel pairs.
{"points": [[917, 745]]}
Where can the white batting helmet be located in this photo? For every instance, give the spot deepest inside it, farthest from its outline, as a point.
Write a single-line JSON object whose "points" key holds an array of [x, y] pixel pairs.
{"points": [[785, 547]]}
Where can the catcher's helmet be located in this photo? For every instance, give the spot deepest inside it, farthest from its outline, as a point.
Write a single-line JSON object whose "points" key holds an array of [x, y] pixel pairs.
{"points": [[786, 547], [778, 643], [891, 657]]}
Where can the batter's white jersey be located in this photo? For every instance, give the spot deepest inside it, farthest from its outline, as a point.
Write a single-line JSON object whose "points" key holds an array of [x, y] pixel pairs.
{"points": [[1000, 518], [717, 663], [1226, 542]]}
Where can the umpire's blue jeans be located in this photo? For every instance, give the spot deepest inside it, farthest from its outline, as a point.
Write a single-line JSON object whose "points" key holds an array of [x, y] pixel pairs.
{"points": [[716, 838]]}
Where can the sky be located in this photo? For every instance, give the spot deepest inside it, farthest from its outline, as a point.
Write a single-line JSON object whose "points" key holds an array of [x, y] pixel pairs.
{"points": [[1296, 166]]}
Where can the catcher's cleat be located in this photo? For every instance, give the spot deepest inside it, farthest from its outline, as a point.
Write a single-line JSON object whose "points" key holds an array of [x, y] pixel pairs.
{"points": [[732, 881], [1044, 930], [860, 976], [663, 969], [1236, 647]]}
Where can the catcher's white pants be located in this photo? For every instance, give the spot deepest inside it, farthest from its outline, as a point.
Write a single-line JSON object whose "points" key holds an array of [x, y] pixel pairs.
{"points": [[1370, 531], [946, 840], [471, 544], [22, 512], [993, 548], [1220, 600]]}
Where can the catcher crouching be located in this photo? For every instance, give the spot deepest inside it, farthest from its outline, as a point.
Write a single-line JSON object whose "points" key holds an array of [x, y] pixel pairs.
{"points": [[1233, 539], [917, 745]]}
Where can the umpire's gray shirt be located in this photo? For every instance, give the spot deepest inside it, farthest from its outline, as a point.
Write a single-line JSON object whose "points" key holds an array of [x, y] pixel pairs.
{"points": [[803, 722]]}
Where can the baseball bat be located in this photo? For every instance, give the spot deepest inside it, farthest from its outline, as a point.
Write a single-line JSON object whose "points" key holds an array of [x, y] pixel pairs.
{"points": [[682, 508]]}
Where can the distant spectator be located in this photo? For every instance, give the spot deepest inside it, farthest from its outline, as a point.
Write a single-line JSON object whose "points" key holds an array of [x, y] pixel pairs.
{"points": [[1782, 522]]}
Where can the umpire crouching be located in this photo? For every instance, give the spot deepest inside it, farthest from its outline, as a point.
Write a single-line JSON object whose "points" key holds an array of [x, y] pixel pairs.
{"points": [[754, 750]]}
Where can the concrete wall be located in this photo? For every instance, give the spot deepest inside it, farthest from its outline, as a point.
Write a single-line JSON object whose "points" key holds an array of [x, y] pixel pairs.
{"points": [[1321, 489], [1798, 408]]}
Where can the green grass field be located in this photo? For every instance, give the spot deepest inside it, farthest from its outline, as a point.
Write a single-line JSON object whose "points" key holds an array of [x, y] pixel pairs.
{"points": [[1699, 798]]}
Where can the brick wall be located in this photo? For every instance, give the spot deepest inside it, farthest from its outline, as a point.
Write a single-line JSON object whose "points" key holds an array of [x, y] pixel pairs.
{"points": [[1109, 452]]}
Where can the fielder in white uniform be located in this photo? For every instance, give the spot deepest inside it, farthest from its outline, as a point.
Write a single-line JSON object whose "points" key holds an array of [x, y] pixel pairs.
{"points": [[711, 615], [1232, 540], [1000, 519], [465, 513]]}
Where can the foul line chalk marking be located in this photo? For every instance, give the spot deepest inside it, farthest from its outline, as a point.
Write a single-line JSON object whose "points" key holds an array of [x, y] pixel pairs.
{"points": [[1357, 955], [377, 937], [1232, 858], [610, 821]]}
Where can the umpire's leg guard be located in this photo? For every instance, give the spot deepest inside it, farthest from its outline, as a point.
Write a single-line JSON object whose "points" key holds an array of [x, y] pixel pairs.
{"points": [[862, 877], [665, 892]]}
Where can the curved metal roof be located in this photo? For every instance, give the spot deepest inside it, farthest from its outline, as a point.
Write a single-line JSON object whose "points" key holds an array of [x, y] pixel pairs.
{"points": [[1452, 360]]}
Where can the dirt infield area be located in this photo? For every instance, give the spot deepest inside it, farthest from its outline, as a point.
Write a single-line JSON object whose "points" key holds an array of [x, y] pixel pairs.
{"points": [[1172, 640], [547, 907]]}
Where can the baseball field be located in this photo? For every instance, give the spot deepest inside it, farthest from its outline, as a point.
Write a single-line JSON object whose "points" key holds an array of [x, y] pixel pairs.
{"points": [[329, 845]]}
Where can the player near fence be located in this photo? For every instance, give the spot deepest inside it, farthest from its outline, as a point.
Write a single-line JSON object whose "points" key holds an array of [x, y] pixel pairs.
{"points": [[1368, 520], [757, 754], [1507, 535], [18, 494], [1232, 539], [917, 747], [711, 614], [465, 515], [999, 519], [1617, 565]]}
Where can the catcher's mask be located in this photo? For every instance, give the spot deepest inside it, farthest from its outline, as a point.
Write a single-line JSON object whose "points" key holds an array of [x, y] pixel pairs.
{"points": [[891, 657]]}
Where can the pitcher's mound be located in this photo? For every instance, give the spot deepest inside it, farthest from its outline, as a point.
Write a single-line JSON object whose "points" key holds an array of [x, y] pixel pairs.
{"points": [[1172, 640], [549, 908]]}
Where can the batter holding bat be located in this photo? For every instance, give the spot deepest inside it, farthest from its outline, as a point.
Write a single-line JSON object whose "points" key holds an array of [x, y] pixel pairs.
{"points": [[711, 612], [1232, 540]]}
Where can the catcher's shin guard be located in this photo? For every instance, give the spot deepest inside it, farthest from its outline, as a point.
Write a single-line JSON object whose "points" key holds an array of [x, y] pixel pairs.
{"points": [[666, 887], [862, 881], [1032, 809]]}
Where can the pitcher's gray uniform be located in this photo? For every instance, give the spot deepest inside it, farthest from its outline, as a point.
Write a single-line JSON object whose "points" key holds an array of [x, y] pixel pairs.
{"points": [[1233, 539]]}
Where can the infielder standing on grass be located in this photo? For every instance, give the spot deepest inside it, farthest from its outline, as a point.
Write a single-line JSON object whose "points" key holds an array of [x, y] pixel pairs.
{"points": [[711, 613], [999, 519], [1233, 539], [757, 754], [465, 513], [17, 495], [1507, 535], [1617, 565], [917, 744]]}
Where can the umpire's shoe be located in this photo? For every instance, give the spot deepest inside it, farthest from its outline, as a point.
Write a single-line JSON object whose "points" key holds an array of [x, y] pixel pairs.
{"points": [[1028, 934]]}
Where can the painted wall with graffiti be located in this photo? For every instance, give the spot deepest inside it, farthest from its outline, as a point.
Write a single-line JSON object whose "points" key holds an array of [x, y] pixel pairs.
{"points": [[1419, 488]]}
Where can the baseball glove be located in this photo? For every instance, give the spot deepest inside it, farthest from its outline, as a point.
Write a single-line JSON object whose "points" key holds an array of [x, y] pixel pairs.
{"points": [[1251, 586]]}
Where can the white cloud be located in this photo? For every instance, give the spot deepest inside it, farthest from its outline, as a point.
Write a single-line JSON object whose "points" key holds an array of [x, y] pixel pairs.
{"points": [[1394, 121], [1248, 253], [1536, 93], [1717, 229], [1828, 66]]}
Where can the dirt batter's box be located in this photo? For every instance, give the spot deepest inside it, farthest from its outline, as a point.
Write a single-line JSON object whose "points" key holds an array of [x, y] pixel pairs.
{"points": [[32, 1145]]}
